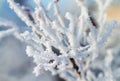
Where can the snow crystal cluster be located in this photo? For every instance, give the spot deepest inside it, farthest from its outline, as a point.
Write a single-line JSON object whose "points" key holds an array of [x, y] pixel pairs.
{"points": [[74, 46]]}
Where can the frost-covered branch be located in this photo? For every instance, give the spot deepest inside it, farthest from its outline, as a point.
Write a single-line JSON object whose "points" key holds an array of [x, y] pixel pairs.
{"points": [[71, 49], [11, 28]]}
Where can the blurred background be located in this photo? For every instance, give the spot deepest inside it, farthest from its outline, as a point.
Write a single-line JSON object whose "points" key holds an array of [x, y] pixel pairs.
{"points": [[15, 65], [114, 10]]}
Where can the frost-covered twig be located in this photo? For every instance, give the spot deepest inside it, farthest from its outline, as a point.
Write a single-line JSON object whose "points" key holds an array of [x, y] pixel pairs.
{"points": [[11, 28], [68, 49]]}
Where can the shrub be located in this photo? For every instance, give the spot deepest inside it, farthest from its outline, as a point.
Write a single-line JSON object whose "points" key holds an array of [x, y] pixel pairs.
{"points": [[69, 46]]}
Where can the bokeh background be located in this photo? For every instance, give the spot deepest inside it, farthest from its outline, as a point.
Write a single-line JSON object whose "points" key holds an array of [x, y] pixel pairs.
{"points": [[15, 65]]}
